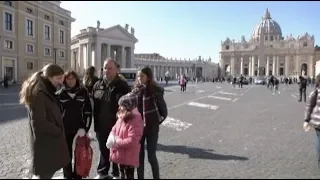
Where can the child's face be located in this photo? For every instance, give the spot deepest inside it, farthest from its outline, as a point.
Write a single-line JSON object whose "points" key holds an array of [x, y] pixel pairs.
{"points": [[122, 112]]}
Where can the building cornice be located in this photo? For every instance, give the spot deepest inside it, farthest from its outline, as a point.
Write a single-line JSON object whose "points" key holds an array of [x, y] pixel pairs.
{"points": [[68, 16]]}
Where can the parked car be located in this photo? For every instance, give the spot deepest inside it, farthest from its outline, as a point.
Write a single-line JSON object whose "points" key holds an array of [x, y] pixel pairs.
{"points": [[245, 81], [260, 81]]}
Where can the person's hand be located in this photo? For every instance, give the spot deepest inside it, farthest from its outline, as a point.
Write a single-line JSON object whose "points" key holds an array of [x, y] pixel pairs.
{"points": [[81, 132], [306, 126], [110, 141], [116, 139], [161, 120]]}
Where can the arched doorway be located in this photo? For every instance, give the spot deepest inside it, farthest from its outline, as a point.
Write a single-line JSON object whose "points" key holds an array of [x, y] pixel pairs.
{"points": [[199, 72], [304, 69], [227, 69]]}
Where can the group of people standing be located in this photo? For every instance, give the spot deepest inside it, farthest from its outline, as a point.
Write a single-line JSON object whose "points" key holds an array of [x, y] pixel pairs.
{"points": [[124, 119]]}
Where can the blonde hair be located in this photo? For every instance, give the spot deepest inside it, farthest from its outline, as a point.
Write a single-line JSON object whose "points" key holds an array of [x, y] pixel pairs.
{"points": [[31, 86], [89, 75]]}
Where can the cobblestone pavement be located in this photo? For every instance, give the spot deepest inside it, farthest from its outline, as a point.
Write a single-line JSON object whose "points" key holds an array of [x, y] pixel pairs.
{"points": [[213, 131]]}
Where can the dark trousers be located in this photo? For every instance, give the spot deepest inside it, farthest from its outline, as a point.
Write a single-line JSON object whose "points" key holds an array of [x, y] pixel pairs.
{"points": [[126, 172], [104, 162], [46, 176], [240, 85], [183, 87], [152, 141], [318, 145], [67, 170], [303, 93]]}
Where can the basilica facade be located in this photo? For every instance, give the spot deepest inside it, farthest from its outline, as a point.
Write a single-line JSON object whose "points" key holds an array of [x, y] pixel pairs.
{"points": [[269, 53]]}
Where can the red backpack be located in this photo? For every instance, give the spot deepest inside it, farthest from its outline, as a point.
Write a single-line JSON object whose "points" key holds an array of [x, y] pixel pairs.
{"points": [[83, 155]]}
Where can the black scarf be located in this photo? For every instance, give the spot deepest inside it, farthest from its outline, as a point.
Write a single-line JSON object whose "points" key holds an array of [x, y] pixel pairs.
{"points": [[49, 86], [72, 90]]}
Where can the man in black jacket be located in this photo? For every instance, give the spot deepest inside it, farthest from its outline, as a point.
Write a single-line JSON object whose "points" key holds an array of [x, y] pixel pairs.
{"points": [[302, 88], [106, 93]]}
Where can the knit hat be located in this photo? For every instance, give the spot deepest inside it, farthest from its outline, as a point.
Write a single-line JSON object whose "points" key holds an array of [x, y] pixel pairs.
{"points": [[128, 101]]}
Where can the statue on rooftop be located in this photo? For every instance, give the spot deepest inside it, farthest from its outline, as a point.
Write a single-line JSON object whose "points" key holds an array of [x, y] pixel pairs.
{"points": [[98, 24]]}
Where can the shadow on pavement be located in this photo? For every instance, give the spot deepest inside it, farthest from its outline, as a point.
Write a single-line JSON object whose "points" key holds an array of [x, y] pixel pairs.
{"points": [[12, 112], [198, 153]]}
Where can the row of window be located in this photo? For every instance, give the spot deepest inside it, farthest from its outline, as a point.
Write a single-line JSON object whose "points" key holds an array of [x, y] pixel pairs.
{"points": [[305, 44], [30, 11], [30, 65], [8, 44], [29, 24]]}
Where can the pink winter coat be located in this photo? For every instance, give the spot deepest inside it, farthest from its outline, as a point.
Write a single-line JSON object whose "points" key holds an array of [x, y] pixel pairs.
{"points": [[127, 149], [182, 80]]}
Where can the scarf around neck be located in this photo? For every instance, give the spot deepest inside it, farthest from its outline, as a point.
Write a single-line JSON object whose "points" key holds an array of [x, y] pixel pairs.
{"points": [[151, 114]]}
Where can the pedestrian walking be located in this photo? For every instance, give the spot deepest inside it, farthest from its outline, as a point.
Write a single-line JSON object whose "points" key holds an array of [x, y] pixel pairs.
{"points": [[302, 88], [276, 85], [182, 82]]}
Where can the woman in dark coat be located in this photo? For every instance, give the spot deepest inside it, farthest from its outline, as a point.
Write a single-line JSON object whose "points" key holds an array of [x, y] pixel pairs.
{"points": [[47, 138]]}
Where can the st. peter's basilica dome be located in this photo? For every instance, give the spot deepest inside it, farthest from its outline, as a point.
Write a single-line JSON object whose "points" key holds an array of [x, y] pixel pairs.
{"points": [[271, 28]]}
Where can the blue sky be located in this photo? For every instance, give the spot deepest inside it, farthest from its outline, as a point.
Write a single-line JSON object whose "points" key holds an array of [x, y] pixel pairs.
{"points": [[192, 29]]}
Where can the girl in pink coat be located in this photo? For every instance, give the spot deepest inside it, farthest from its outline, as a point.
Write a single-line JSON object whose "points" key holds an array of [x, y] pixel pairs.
{"points": [[124, 139]]}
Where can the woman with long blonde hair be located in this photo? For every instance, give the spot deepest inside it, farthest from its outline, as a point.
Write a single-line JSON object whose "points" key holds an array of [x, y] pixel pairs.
{"points": [[47, 138]]}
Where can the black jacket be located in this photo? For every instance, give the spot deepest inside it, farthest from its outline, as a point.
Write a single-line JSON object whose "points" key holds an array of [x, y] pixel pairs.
{"points": [[77, 110], [106, 106], [303, 83], [161, 105]]}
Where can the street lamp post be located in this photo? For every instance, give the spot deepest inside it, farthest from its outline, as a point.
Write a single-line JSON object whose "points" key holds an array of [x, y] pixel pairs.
{"points": [[55, 55], [75, 59]]}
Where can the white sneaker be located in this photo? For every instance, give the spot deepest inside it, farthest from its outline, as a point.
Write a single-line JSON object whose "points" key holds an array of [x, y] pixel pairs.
{"points": [[116, 177], [103, 177]]}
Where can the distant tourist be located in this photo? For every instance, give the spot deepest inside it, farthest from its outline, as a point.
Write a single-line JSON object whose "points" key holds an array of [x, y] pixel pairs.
{"points": [[302, 88]]}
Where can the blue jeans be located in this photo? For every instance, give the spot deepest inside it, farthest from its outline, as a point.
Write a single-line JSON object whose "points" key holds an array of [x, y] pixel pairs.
{"points": [[318, 145]]}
